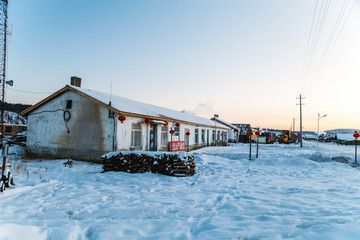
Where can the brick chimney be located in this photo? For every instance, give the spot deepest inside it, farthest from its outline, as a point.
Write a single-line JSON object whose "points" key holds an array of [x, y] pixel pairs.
{"points": [[75, 81]]}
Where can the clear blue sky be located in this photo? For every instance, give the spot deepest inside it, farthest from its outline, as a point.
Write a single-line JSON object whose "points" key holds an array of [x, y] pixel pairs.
{"points": [[240, 59]]}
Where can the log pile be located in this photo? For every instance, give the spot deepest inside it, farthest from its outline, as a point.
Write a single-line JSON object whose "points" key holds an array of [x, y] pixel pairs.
{"points": [[179, 164]]}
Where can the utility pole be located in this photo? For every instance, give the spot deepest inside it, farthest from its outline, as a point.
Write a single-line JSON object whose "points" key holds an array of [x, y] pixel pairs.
{"points": [[318, 128], [293, 124], [300, 98], [3, 39]]}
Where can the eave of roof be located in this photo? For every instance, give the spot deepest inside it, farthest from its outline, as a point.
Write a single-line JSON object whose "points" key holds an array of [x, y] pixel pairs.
{"points": [[225, 123]]}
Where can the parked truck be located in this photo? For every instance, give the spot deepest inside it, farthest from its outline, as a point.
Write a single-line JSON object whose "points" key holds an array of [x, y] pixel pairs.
{"points": [[287, 137]]}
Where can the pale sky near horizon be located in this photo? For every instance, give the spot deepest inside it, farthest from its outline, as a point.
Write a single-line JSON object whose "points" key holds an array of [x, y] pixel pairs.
{"points": [[243, 60]]}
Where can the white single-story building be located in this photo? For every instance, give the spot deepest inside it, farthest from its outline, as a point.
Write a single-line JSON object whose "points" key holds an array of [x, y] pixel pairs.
{"points": [[84, 124], [233, 132]]}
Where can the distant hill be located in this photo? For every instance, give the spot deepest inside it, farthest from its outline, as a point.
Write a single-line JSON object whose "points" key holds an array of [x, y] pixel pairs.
{"points": [[16, 107], [341, 131]]}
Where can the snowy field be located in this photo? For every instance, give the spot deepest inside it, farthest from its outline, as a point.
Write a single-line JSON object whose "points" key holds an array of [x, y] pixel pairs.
{"points": [[281, 195]]}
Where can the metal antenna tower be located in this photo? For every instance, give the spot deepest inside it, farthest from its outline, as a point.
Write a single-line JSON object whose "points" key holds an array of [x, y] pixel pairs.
{"points": [[3, 39]]}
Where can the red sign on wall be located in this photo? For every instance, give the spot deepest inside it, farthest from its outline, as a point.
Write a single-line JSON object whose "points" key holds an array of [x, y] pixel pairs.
{"points": [[177, 146]]}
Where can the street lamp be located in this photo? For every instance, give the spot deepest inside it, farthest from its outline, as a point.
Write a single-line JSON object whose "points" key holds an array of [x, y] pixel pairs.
{"points": [[318, 133]]}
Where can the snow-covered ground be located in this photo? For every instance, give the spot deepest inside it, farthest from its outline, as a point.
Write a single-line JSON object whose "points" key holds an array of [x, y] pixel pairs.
{"points": [[347, 137], [281, 195]]}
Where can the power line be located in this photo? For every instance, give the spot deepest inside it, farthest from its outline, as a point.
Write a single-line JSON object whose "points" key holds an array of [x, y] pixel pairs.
{"points": [[341, 22], [313, 40], [333, 33], [322, 18], [319, 18], [29, 91], [331, 47], [310, 35], [313, 69]]}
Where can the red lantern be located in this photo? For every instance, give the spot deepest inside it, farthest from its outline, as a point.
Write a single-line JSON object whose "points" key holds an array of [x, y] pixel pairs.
{"points": [[177, 125], [249, 133], [187, 134], [166, 124], [257, 133], [171, 132], [147, 121], [356, 135], [121, 118]]}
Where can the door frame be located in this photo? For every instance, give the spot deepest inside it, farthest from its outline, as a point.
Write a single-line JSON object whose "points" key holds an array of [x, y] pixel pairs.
{"points": [[154, 148]]}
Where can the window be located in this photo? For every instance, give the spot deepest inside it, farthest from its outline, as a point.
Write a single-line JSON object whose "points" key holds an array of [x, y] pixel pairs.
{"points": [[225, 136], [196, 135], [203, 135], [164, 136], [135, 135], [68, 104], [218, 135], [177, 132], [213, 135]]}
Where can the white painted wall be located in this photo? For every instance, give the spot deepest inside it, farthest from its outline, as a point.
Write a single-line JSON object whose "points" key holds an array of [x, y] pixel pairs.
{"points": [[90, 129], [124, 135]]}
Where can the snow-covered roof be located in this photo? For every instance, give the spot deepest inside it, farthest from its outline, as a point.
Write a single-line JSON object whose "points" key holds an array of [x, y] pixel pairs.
{"points": [[130, 107], [225, 123]]}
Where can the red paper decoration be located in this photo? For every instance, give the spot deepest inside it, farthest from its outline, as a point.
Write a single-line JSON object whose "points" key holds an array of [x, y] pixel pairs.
{"points": [[121, 118], [356, 135], [147, 121]]}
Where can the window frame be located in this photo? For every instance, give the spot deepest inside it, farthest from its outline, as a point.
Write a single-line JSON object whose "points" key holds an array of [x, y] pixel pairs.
{"points": [[163, 133], [69, 104], [176, 131], [136, 132], [196, 135]]}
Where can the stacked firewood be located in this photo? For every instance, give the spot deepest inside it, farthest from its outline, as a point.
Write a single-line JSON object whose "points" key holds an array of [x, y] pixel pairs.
{"points": [[171, 164]]}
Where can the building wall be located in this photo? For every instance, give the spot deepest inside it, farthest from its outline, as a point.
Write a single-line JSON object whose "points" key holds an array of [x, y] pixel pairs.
{"points": [[124, 135], [85, 136]]}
